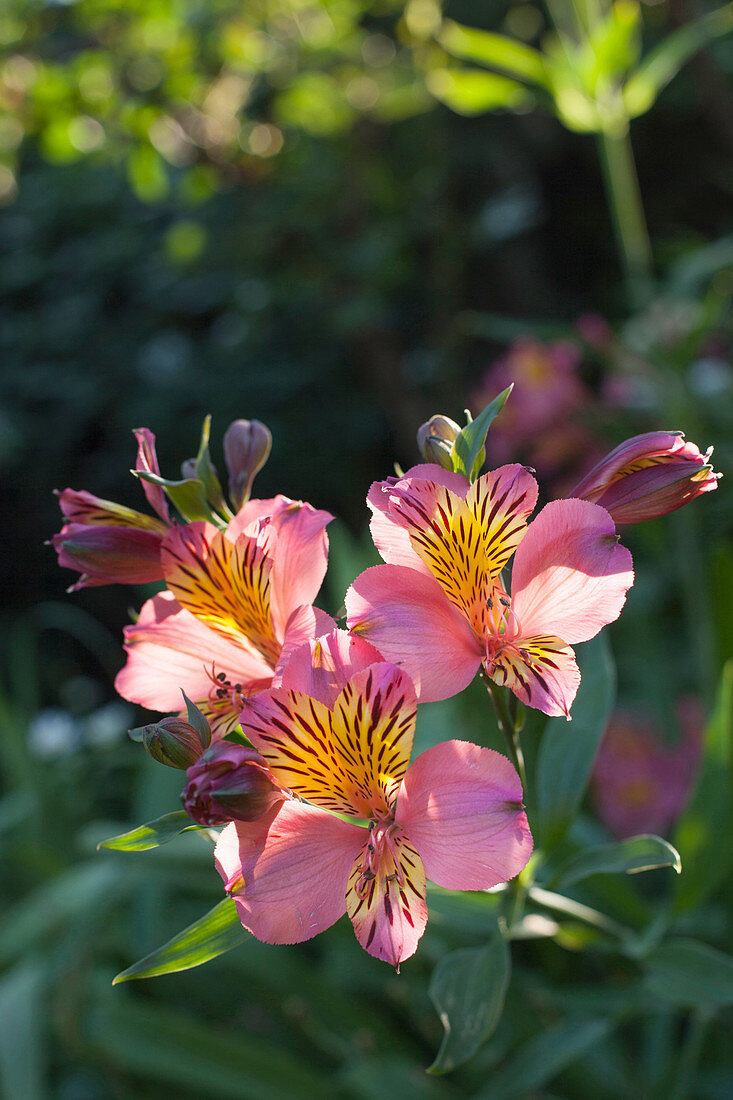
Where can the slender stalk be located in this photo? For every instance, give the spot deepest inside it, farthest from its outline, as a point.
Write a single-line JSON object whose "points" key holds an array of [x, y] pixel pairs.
{"points": [[690, 1054], [627, 212], [507, 725]]}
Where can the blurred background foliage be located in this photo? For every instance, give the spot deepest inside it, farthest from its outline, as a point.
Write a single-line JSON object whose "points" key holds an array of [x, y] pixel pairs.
{"points": [[265, 210]]}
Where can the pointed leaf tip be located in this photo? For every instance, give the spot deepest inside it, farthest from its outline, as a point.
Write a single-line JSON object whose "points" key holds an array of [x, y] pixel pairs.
{"points": [[468, 448]]}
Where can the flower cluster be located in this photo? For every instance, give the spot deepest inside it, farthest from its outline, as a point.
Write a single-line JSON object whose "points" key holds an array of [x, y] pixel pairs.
{"points": [[298, 735]]}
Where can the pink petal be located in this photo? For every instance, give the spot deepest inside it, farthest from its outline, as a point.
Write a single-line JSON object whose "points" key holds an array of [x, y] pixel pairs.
{"points": [[109, 554], [147, 460], [168, 648], [255, 510], [300, 558], [390, 537], [305, 624], [570, 576], [324, 665], [461, 806], [540, 670], [639, 448], [389, 912], [410, 620], [288, 871]]}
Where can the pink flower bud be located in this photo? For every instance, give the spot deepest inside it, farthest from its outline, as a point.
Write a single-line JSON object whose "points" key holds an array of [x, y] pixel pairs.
{"points": [[435, 439], [230, 783], [174, 742], [109, 555], [247, 446], [648, 476]]}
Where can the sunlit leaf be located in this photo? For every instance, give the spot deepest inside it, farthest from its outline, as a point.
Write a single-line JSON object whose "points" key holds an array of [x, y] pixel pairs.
{"points": [[495, 50], [152, 834], [665, 61], [471, 92], [468, 989], [469, 444], [212, 935]]}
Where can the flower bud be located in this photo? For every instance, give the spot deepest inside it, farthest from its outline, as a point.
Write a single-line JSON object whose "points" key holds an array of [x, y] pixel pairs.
{"points": [[109, 555], [435, 440], [648, 476], [174, 742], [229, 783], [247, 446]]}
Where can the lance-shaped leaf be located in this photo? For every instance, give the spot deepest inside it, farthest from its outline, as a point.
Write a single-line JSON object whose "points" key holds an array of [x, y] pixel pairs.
{"points": [[472, 92], [663, 63], [568, 749], [187, 495], [212, 935], [495, 50], [468, 989], [686, 973], [638, 853], [469, 443], [206, 473], [152, 834]]}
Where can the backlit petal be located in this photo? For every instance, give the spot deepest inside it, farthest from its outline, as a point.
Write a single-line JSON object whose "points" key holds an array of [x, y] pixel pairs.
{"points": [[324, 665], [570, 575], [299, 559], [461, 806], [288, 871], [391, 538], [541, 671], [388, 911], [466, 543], [224, 584], [147, 460], [410, 620], [168, 648], [350, 760]]}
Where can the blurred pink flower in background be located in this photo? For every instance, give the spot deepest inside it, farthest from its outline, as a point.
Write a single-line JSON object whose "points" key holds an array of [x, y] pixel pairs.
{"points": [[640, 783], [538, 425]]}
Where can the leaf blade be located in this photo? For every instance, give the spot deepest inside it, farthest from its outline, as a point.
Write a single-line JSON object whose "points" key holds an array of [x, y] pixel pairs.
{"points": [[152, 834], [638, 853]]}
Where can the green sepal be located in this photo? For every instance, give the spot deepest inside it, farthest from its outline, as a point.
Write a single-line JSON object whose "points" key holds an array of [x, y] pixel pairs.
{"points": [[152, 834], [198, 721], [468, 447], [206, 473], [213, 934], [187, 495]]}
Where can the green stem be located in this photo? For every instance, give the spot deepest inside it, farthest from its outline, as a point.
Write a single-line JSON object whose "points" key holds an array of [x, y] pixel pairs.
{"points": [[627, 212], [690, 1054], [507, 725]]}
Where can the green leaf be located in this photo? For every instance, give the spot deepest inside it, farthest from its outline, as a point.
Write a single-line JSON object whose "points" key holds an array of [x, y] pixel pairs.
{"points": [[568, 749], [687, 973], [663, 63], [704, 833], [212, 935], [152, 834], [206, 473], [471, 92], [23, 1002], [495, 50], [638, 853], [537, 1061], [469, 444], [468, 989], [616, 43], [198, 721], [188, 495]]}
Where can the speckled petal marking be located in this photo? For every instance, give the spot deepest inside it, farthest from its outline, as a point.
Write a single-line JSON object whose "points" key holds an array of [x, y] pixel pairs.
{"points": [[350, 760], [224, 584]]}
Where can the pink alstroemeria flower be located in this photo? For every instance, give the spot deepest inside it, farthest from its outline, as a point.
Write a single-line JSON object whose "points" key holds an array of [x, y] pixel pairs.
{"points": [[109, 543], [237, 603], [454, 815], [648, 476], [641, 784], [439, 607]]}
